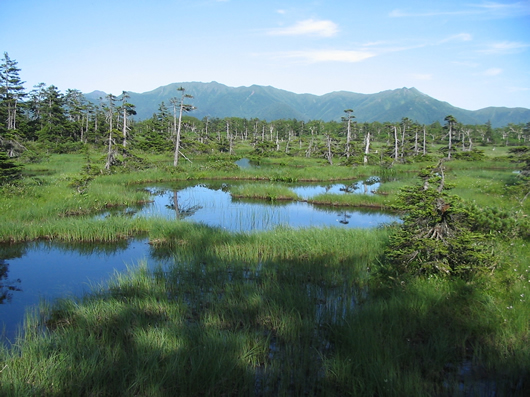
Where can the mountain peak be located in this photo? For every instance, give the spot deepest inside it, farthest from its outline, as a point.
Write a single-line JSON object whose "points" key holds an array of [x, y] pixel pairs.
{"points": [[96, 94], [214, 99]]}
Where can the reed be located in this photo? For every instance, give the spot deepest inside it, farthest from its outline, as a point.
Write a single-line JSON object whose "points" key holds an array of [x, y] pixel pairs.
{"points": [[280, 243], [282, 312], [274, 314], [268, 191], [423, 339], [201, 326], [48, 208], [74, 229], [353, 200]]}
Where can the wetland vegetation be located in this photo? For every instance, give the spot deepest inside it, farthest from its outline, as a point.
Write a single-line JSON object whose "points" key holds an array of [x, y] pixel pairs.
{"points": [[435, 304], [284, 311]]}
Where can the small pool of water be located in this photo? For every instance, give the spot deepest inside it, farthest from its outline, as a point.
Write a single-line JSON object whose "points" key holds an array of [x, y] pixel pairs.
{"points": [[244, 163], [44, 270], [212, 204], [48, 270], [308, 191]]}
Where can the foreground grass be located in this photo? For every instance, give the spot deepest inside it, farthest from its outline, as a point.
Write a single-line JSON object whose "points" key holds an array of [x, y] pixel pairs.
{"points": [[354, 200], [277, 313], [236, 314]]}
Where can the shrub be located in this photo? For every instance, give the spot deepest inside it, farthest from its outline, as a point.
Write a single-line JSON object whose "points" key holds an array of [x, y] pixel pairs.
{"points": [[9, 170], [437, 236], [473, 155]]}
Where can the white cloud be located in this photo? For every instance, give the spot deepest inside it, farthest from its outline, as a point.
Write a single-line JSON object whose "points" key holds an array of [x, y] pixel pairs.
{"points": [[505, 47], [374, 43], [468, 64], [281, 11], [403, 14], [492, 72], [488, 9], [420, 76], [516, 9], [308, 27], [314, 56], [458, 37]]}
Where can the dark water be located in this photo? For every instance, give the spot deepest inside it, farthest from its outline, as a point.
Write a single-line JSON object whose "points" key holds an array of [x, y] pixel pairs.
{"points": [[44, 270]]}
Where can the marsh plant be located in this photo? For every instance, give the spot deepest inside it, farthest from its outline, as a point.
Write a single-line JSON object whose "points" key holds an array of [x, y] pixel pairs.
{"points": [[436, 237], [269, 191], [282, 312], [276, 313], [239, 317]]}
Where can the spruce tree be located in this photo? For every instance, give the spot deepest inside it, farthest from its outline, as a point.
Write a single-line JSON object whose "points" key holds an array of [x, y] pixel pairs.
{"points": [[11, 94], [11, 90], [437, 237]]}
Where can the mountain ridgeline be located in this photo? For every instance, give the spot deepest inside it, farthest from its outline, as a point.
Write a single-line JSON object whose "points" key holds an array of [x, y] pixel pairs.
{"points": [[269, 103]]}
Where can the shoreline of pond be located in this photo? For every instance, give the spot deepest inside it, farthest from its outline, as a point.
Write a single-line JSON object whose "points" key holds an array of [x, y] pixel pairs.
{"points": [[81, 219]]}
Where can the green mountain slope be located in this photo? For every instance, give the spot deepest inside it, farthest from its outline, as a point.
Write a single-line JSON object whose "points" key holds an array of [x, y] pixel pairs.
{"points": [[269, 103]]}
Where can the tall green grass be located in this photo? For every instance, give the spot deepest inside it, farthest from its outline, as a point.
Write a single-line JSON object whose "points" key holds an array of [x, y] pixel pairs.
{"points": [[276, 313], [353, 200], [217, 321], [269, 191], [183, 238]]}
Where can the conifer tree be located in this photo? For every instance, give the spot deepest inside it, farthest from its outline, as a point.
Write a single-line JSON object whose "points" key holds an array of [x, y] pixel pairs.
{"points": [[450, 124], [11, 90], [436, 237], [54, 121], [521, 155], [127, 109], [348, 118], [11, 94]]}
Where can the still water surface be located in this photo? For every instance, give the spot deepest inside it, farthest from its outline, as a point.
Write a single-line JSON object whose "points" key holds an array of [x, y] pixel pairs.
{"points": [[212, 204], [43, 270]]}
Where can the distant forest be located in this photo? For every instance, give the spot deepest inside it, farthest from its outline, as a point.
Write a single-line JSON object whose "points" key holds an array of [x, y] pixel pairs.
{"points": [[45, 120]]}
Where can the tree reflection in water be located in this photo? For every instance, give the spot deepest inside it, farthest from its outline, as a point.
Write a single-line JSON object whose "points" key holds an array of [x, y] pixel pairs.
{"points": [[365, 185], [344, 217], [182, 211], [6, 286]]}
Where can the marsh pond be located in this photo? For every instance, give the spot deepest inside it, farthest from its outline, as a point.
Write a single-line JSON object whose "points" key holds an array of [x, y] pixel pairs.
{"points": [[41, 270]]}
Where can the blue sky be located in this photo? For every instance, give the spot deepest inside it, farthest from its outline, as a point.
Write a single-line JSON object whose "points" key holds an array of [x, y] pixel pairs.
{"points": [[472, 54]]}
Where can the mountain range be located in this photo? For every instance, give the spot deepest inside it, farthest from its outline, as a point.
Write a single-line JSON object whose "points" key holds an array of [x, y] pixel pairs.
{"points": [[268, 103]]}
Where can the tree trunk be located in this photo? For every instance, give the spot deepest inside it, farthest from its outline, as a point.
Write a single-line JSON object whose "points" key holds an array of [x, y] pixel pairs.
{"points": [[403, 142], [177, 139], [367, 148], [396, 149], [329, 153], [424, 148], [110, 153], [124, 126], [450, 145], [348, 138], [416, 141]]}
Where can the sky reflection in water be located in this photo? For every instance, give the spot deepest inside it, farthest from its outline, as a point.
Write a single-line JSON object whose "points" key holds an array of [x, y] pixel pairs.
{"points": [[44, 270], [213, 206]]}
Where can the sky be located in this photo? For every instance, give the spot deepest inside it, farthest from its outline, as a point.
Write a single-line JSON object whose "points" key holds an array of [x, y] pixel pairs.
{"points": [[469, 53]]}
